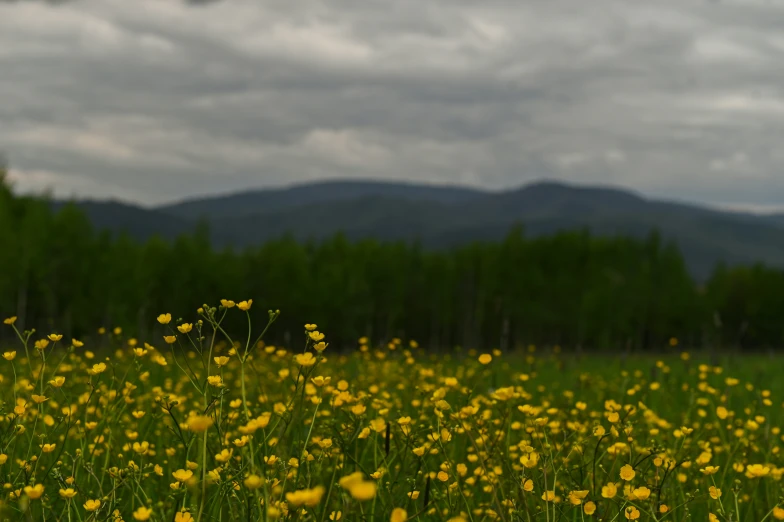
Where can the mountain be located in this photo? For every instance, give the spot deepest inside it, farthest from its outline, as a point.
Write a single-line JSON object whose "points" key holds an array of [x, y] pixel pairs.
{"points": [[777, 219], [140, 223], [442, 216], [259, 201]]}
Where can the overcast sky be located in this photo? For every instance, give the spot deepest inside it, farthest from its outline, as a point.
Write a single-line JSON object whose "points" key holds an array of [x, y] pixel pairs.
{"points": [[155, 100]]}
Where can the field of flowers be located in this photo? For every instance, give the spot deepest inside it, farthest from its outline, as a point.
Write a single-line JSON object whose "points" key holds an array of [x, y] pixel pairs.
{"points": [[210, 425]]}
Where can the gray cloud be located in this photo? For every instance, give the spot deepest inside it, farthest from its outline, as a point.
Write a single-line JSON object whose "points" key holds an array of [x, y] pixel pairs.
{"points": [[152, 101]]}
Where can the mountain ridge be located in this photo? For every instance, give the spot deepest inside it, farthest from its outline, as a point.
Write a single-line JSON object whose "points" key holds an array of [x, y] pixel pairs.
{"points": [[336, 189], [443, 216]]}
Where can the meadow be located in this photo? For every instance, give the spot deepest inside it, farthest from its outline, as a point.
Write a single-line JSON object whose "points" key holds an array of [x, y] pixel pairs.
{"points": [[205, 424]]}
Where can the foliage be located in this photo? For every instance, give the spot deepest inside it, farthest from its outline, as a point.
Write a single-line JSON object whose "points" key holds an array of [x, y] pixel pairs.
{"points": [[205, 423], [571, 288]]}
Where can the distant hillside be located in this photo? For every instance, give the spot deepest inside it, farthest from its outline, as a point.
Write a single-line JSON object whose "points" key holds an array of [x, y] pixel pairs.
{"points": [[253, 202], [777, 219], [138, 222], [445, 216]]}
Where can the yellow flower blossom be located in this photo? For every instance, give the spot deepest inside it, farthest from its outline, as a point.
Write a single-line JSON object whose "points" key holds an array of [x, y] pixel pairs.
{"points": [[142, 513], [305, 359], [185, 328], [34, 492], [253, 482], [306, 497], [68, 493], [199, 423], [92, 505], [97, 369], [627, 472]]}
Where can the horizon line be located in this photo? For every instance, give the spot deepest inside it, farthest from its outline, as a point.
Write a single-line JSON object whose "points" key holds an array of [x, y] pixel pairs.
{"points": [[755, 209]]}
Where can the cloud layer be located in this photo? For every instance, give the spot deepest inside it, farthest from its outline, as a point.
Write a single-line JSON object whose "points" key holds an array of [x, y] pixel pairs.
{"points": [[156, 100]]}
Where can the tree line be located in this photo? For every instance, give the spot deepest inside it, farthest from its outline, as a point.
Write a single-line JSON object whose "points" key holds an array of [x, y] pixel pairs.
{"points": [[571, 289]]}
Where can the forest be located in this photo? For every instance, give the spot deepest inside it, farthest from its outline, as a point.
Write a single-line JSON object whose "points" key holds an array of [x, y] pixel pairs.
{"points": [[572, 289]]}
